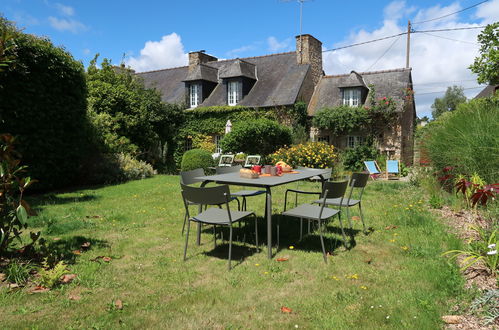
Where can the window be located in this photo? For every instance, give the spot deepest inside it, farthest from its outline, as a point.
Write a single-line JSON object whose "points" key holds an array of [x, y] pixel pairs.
{"points": [[187, 144], [218, 138], [233, 92], [323, 139], [351, 97], [354, 141], [194, 94]]}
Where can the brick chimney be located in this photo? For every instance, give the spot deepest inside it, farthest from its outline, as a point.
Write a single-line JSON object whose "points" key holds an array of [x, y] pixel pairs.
{"points": [[309, 51], [199, 57]]}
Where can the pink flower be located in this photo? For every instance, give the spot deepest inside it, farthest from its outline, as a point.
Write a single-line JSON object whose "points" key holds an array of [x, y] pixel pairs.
{"points": [[386, 102], [384, 98]]}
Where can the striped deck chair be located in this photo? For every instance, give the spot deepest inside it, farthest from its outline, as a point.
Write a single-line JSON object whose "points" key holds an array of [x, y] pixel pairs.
{"points": [[393, 167], [373, 169]]}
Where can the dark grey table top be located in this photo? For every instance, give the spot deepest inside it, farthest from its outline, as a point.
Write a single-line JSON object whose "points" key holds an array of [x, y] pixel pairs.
{"points": [[262, 181]]}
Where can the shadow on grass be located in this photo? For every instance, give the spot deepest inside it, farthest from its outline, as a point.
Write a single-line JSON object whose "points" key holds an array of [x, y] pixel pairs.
{"points": [[53, 199], [67, 249]]}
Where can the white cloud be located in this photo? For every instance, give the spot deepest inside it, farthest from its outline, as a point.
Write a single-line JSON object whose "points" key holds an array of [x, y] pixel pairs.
{"points": [[166, 53], [65, 10], [436, 62], [236, 52], [86, 51], [63, 24], [275, 45]]}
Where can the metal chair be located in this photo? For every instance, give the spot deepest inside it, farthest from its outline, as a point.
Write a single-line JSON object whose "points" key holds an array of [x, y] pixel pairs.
{"points": [[240, 193], [357, 181], [320, 212], [189, 178], [218, 195]]}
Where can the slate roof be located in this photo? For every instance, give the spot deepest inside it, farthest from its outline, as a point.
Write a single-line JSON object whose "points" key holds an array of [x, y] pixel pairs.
{"points": [[279, 79], [238, 68], [389, 83], [487, 91], [202, 72]]}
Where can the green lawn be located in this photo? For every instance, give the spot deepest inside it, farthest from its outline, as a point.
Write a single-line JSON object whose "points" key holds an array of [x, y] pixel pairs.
{"points": [[394, 277]]}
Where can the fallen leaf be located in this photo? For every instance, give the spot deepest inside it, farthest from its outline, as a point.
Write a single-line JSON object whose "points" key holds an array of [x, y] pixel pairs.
{"points": [[355, 218], [77, 252], [85, 245], [56, 238], [282, 259], [390, 227], [368, 261], [285, 309], [67, 278], [452, 319], [93, 216], [106, 259], [74, 297], [38, 289], [13, 285], [2, 277], [118, 304]]}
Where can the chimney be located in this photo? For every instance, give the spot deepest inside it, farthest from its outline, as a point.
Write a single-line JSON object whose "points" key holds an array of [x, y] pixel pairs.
{"points": [[199, 57], [309, 51]]}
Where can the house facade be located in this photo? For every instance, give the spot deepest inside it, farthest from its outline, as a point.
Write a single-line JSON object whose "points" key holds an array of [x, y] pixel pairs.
{"points": [[281, 80]]}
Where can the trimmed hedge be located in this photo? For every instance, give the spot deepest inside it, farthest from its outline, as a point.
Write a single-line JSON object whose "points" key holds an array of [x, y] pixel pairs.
{"points": [[196, 158]]}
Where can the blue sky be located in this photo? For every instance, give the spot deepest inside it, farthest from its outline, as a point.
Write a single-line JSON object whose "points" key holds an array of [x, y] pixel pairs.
{"points": [[159, 34]]}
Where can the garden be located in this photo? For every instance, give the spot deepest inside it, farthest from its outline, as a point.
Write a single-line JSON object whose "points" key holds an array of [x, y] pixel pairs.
{"points": [[91, 211]]}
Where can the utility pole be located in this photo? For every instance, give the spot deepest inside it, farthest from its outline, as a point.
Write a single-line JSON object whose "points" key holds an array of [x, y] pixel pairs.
{"points": [[408, 50]]}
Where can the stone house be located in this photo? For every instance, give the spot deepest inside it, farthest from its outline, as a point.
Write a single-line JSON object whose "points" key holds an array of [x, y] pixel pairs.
{"points": [[280, 80]]}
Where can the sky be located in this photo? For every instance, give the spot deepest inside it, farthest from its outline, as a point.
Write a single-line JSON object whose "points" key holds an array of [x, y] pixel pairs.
{"points": [[151, 35]]}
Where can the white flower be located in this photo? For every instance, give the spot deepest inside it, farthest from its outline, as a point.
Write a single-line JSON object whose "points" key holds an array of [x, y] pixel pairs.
{"points": [[491, 253], [491, 246]]}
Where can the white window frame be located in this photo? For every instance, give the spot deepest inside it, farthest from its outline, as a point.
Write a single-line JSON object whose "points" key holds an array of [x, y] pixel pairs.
{"points": [[233, 93], [352, 97], [194, 94], [355, 141], [218, 149]]}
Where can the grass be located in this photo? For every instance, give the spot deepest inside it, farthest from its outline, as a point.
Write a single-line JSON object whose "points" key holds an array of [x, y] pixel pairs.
{"points": [[394, 277]]}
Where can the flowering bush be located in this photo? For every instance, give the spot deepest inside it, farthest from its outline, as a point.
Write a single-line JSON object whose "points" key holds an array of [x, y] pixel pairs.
{"points": [[311, 154]]}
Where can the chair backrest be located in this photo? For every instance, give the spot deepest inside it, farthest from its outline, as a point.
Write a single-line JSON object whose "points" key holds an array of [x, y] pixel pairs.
{"points": [[228, 169], [359, 180], [392, 166], [252, 160], [371, 166], [206, 195], [335, 189], [226, 160], [189, 177]]}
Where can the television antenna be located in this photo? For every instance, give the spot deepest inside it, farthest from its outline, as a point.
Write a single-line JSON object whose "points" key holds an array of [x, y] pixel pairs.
{"points": [[301, 21]]}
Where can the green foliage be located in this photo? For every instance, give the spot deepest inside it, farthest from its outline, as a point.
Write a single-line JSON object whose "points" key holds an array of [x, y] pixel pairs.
{"points": [[258, 136], [50, 277], [299, 134], [18, 272], [115, 168], [467, 140], [129, 118], [353, 158], [341, 120], [7, 43], [13, 183], [488, 303], [449, 102], [486, 66], [196, 158], [43, 104], [311, 154]]}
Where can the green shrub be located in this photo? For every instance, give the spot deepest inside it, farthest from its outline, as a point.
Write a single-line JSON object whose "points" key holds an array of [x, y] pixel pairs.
{"points": [[196, 158], [50, 277], [259, 136], [116, 168], [467, 140], [353, 158], [311, 154], [43, 103], [18, 272]]}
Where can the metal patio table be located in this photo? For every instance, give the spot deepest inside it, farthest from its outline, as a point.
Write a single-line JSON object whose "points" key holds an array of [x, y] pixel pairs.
{"points": [[266, 182]]}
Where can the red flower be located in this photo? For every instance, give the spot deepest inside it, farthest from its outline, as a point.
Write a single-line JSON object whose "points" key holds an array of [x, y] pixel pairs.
{"points": [[386, 102]]}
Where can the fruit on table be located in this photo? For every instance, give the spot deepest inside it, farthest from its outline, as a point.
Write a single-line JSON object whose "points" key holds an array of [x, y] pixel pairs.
{"points": [[281, 163]]}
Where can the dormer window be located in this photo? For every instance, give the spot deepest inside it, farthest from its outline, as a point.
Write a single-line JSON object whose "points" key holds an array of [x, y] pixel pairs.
{"points": [[234, 89], [351, 96], [194, 94]]}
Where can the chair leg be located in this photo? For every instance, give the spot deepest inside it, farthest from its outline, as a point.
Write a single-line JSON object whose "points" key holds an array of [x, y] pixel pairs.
{"points": [[343, 232], [183, 226], [187, 239], [308, 227], [230, 246], [278, 230], [214, 236], [362, 218], [349, 218], [244, 203], [256, 231], [322, 242], [301, 228]]}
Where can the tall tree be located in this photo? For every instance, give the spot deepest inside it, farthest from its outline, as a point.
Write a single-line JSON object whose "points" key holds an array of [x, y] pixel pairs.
{"points": [[453, 96], [486, 66]]}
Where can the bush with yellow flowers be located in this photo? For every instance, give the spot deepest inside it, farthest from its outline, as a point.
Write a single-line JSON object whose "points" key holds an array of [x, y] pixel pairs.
{"points": [[310, 154]]}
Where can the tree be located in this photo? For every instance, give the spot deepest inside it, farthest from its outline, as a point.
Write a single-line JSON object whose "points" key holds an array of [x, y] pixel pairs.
{"points": [[449, 102], [486, 66]]}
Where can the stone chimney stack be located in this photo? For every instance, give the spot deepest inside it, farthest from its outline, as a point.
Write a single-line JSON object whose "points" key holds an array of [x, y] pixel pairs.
{"points": [[309, 51], [199, 57]]}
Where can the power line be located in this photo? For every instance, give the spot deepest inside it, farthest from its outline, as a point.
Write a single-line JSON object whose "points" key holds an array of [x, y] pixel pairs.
{"points": [[434, 35], [386, 51], [446, 91], [459, 11], [444, 82]]}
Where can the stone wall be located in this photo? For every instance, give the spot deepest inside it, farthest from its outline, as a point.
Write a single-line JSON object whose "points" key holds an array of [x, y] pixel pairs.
{"points": [[309, 51]]}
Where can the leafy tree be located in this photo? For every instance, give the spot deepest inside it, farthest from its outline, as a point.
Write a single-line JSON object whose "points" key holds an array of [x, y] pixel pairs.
{"points": [[486, 66], [129, 117], [422, 119], [449, 102]]}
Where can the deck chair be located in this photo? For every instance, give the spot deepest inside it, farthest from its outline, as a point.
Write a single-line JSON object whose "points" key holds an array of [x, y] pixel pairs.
{"points": [[226, 160], [252, 160], [215, 216], [393, 167], [373, 169]]}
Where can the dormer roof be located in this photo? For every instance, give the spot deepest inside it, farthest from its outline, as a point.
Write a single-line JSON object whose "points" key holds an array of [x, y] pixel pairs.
{"points": [[238, 68], [352, 80], [202, 72]]}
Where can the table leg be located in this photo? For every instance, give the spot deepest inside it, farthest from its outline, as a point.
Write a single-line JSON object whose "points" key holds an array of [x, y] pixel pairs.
{"points": [[268, 213], [198, 240]]}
